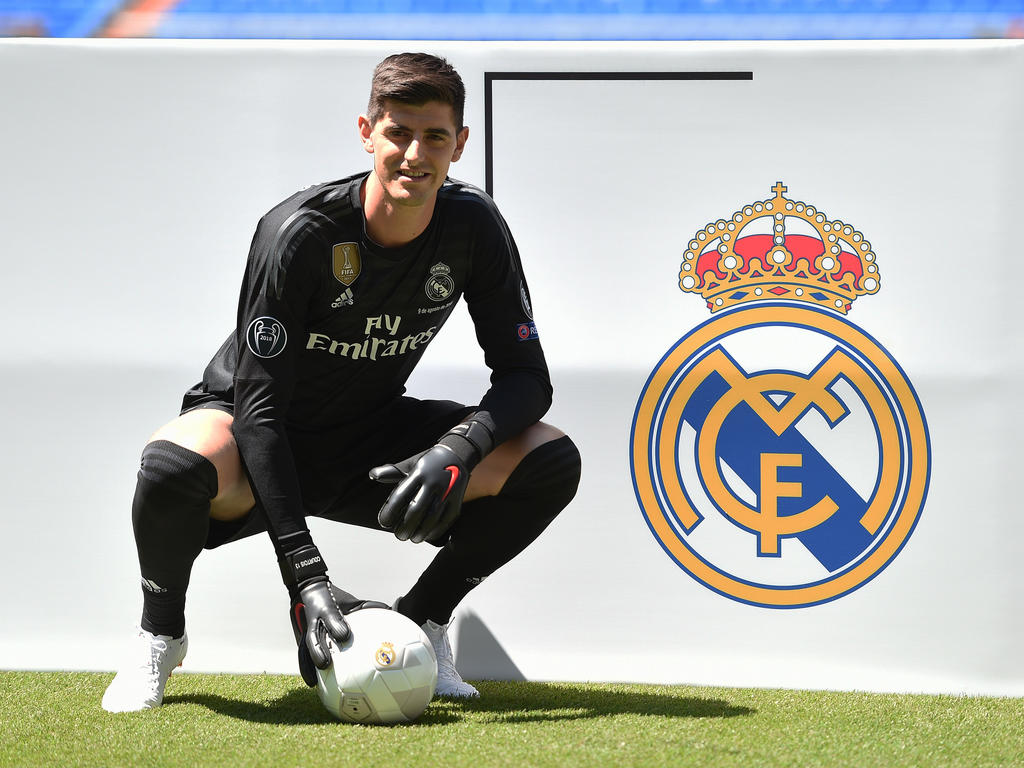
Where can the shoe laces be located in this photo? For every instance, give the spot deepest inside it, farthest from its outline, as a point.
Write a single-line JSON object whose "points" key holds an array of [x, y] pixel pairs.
{"points": [[443, 651], [151, 650]]}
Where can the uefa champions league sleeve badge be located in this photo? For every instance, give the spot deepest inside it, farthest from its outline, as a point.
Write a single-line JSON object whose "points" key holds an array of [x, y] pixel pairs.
{"points": [[779, 453], [266, 337]]}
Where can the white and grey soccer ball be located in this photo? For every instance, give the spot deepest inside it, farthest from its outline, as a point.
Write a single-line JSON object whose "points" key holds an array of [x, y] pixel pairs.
{"points": [[385, 672]]}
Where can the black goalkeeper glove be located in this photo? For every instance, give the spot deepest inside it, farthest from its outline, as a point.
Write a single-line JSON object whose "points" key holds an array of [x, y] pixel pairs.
{"points": [[346, 602], [315, 613], [428, 498]]}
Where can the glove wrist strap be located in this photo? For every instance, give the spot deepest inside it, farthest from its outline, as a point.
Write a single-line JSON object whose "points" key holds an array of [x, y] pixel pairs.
{"points": [[471, 440], [301, 562]]}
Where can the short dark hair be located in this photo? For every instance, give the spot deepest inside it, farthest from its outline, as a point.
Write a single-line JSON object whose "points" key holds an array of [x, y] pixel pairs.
{"points": [[416, 78]]}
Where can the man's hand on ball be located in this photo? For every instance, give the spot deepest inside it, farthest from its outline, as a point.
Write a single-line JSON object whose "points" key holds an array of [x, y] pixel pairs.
{"points": [[428, 497], [316, 616], [323, 620]]}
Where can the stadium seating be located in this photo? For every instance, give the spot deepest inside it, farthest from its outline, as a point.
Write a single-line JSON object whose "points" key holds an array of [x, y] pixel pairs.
{"points": [[518, 19]]}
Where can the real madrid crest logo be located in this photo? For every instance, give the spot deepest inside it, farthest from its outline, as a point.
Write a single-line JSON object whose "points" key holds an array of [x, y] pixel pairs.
{"points": [[779, 453], [439, 285], [386, 654]]}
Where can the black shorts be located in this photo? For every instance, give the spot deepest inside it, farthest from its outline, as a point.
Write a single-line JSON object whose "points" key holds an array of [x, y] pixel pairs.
{"points": [[333, 465]]}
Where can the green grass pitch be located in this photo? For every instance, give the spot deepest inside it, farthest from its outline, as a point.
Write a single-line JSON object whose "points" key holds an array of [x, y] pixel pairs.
{"points": [[54, 719]]}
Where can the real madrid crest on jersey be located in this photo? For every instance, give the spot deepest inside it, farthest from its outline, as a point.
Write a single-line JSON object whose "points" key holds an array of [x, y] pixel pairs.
{"points": [[779, 453], [439, 285]]}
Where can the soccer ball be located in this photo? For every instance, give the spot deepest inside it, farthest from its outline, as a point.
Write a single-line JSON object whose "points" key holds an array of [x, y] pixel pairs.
{"points": [[385, 672]]}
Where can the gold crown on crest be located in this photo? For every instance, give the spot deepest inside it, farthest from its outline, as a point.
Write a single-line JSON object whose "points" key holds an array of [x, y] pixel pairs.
{"points": [[779, 249]]}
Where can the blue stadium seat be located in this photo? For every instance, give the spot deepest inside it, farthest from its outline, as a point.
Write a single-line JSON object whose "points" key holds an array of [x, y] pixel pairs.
{"points": [[708, 19]]}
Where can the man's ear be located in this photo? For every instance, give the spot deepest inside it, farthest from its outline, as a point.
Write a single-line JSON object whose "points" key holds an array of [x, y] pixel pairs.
{"points": [[366, 133], [460, 143]]}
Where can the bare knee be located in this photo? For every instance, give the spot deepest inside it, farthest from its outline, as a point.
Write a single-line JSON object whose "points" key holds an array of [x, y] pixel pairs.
{"points": [[207, 431], [490, 475]]}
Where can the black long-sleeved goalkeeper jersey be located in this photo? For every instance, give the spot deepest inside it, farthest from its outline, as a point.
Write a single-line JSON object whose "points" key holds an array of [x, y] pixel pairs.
{"points": [[331, 325]]}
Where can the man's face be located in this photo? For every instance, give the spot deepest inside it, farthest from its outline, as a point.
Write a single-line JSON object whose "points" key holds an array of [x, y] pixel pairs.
{"points": [[412, 147]]}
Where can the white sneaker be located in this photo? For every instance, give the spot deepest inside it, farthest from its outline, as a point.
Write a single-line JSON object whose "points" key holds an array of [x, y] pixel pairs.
{"points": [[449, 681], [140, 682]]}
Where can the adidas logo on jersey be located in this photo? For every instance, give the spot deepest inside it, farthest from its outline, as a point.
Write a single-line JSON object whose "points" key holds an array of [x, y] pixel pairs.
{"points": [[347, 299]]}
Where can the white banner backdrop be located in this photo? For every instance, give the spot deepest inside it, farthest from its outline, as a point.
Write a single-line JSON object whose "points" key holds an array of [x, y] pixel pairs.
{"points": [[134, 173]]}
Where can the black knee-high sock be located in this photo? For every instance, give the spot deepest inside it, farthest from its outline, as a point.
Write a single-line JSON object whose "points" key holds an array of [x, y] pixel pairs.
{"points": [[494, 529], [171, 517]]}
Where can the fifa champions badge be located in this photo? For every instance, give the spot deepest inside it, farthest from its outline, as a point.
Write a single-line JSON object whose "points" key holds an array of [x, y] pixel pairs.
{"points": [[346, 262]]}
